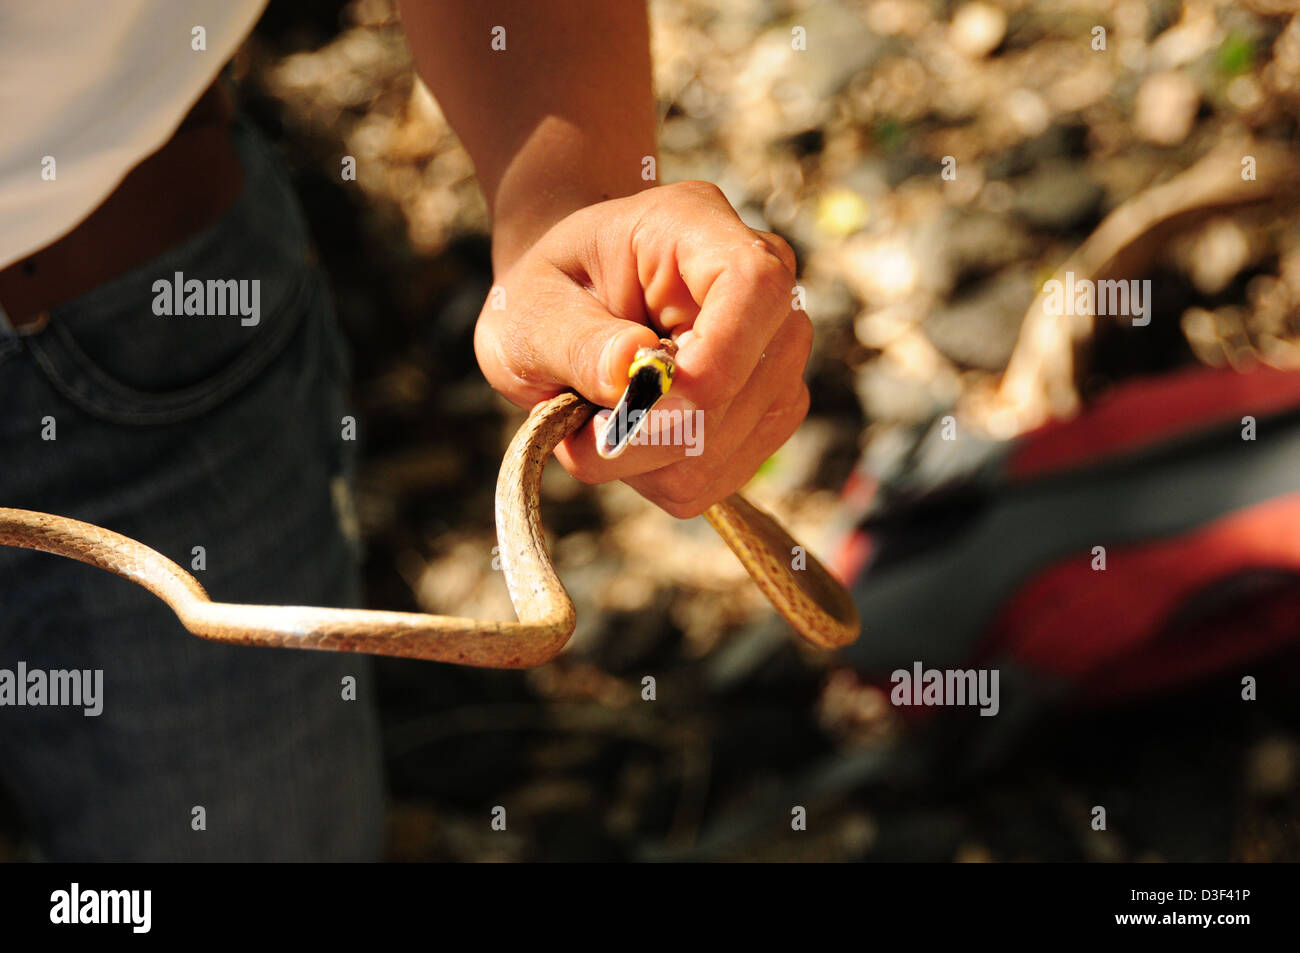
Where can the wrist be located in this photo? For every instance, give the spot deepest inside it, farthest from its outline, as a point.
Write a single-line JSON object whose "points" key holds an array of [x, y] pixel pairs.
{"points": [[517, 226], [556, 173]]}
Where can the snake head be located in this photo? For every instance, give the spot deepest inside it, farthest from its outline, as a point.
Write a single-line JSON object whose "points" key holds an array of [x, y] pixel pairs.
{"points": [[648, 379]]}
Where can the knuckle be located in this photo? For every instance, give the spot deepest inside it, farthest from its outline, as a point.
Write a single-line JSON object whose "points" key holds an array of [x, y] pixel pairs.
{"points": [[785, 415], [687, 486], [515, 348], [701, 189], [801, 333], [781, 248], [684, 511], [577, 357], [791, 412], [762, 270], [803, 402], [499, 365]]}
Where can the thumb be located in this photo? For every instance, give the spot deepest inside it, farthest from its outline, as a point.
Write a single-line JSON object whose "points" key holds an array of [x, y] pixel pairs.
{"points": [[581, 347]]}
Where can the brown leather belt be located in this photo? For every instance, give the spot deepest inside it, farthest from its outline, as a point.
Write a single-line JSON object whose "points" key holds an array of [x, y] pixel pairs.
{"points": [[170, 196]]}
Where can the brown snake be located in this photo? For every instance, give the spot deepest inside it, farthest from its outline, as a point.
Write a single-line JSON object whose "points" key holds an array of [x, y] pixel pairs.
{"points": [[810, 598]]}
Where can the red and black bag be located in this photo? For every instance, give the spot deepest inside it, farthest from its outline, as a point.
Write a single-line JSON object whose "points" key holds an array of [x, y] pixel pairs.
{"points": [[1152, 540]]}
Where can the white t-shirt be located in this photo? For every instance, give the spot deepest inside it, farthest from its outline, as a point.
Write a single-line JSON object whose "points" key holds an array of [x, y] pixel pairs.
{"points": [[96, 86]]}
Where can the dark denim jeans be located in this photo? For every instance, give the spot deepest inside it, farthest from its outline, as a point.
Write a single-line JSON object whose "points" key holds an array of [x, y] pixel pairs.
{"points": [[181, 432]]}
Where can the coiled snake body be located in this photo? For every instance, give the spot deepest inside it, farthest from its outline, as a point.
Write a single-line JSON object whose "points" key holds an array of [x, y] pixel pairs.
{"points": [[810, 598]]}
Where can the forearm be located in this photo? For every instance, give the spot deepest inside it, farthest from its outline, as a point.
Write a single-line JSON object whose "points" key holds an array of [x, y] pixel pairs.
{"points": [[561, 119]]}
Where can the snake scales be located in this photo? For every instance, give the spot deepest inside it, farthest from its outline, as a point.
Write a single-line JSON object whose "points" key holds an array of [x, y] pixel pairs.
{"points": [[809, 598]]}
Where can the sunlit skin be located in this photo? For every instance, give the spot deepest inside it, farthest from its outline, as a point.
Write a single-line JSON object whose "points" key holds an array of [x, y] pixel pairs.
{"points": [[595, 262]]}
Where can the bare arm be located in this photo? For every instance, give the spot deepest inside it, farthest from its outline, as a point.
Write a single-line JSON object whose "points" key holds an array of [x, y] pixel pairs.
{"points": [[592, 263], [558, 120]]}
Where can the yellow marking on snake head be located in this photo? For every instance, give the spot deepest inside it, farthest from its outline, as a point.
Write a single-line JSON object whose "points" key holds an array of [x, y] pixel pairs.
{"points": [[658, 359]]}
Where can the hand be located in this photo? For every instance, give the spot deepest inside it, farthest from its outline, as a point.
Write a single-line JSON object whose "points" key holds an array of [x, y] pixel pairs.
{"points": [[616, 276]]}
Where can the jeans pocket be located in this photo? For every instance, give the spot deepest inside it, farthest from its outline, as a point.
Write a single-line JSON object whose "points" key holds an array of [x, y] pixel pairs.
{"points": [[178, 335], [152, 373]]}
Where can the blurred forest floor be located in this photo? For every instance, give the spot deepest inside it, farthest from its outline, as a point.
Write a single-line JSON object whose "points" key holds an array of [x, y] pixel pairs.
{"points": [[918, 286]]}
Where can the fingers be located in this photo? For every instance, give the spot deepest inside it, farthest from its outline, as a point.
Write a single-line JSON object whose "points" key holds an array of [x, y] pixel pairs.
{"points": [[717, 433], [781, 248], [613, 278], [741, 282], [713, 453], [524, 357], [778, 376], [754, 426], [684, 491], [695, 271]]}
